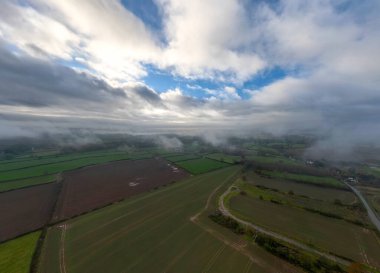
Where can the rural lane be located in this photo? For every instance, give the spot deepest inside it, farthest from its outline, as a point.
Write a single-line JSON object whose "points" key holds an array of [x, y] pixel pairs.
{"points": [[227, 213], [371, 213]]}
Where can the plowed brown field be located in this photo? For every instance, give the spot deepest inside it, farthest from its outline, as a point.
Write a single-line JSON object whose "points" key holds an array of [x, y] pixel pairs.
{"points": [[24, 210], [92, 187]]}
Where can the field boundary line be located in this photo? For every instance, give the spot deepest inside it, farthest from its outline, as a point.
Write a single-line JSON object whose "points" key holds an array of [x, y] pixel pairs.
{"points": [[40, 244]]}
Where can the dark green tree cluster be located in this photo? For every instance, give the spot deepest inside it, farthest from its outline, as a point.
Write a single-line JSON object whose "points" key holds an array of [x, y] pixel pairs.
{"points": [[310, 263], [227, 222]]}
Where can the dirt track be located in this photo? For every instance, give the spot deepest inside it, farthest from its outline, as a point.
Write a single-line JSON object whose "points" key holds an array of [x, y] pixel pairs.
{"points": [[93, 187]]}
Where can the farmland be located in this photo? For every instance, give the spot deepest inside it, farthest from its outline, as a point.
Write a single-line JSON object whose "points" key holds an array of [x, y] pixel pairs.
{"points": [[106, 212], [302, 189], [319, 231], [92, 187], [202, 165], [40, 171], [274, 160], [123, 237], [43, 160], [181, 157], [309, 179], [373, 197], [26, 210], [224, 157], [26, 182], [57, 167], [16, 255], [352, 213]]}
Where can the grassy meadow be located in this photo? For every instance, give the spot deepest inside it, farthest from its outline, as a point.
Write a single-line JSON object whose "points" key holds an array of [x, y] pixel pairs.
{"points": [[201, 165], [225, 158], [328, 234], [16, 255], [302, 189], [181, 157], [310, 179]]}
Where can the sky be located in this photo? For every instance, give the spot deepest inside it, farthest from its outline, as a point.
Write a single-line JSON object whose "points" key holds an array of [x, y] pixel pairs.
{"points": [[278, 66]]}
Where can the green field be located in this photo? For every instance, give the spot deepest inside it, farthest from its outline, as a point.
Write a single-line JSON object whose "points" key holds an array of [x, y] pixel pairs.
{"points": [[326, 233], [375, 171], [202, 165], [309, 190], [35, 161], [259, 149], [225, 158], [16, 255], [315, 180], [27, 182], [372, 195], [40, 174], [275, 160], [148, 233], [58, 167], [181, 157], [326, 208]]}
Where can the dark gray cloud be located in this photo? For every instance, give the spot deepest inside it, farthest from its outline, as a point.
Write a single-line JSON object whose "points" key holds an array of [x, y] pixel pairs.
{"points": [[145, 93], [39, 83]]}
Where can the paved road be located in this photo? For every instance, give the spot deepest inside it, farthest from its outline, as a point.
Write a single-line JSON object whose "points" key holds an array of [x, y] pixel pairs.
{"points": [[226, 212], [371, 213]]}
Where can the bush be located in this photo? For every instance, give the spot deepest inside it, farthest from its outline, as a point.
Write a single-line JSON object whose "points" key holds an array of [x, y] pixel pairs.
{"points": [[308, 262], [227, 222]]}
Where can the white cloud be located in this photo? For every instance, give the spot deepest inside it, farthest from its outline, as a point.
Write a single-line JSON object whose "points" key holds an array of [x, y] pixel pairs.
{"points": [[330, 51], [35, 32], [208, 38]]}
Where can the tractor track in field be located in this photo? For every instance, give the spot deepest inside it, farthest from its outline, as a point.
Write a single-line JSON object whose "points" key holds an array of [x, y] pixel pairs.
{"points": [[183, 252], [62, 262], [134, 227], [248, 266], [158, 244], [213, 259]]}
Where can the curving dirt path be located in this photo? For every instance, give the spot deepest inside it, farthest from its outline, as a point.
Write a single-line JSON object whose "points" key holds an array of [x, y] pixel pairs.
{"points": [[224, 210], [371, 214]]}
